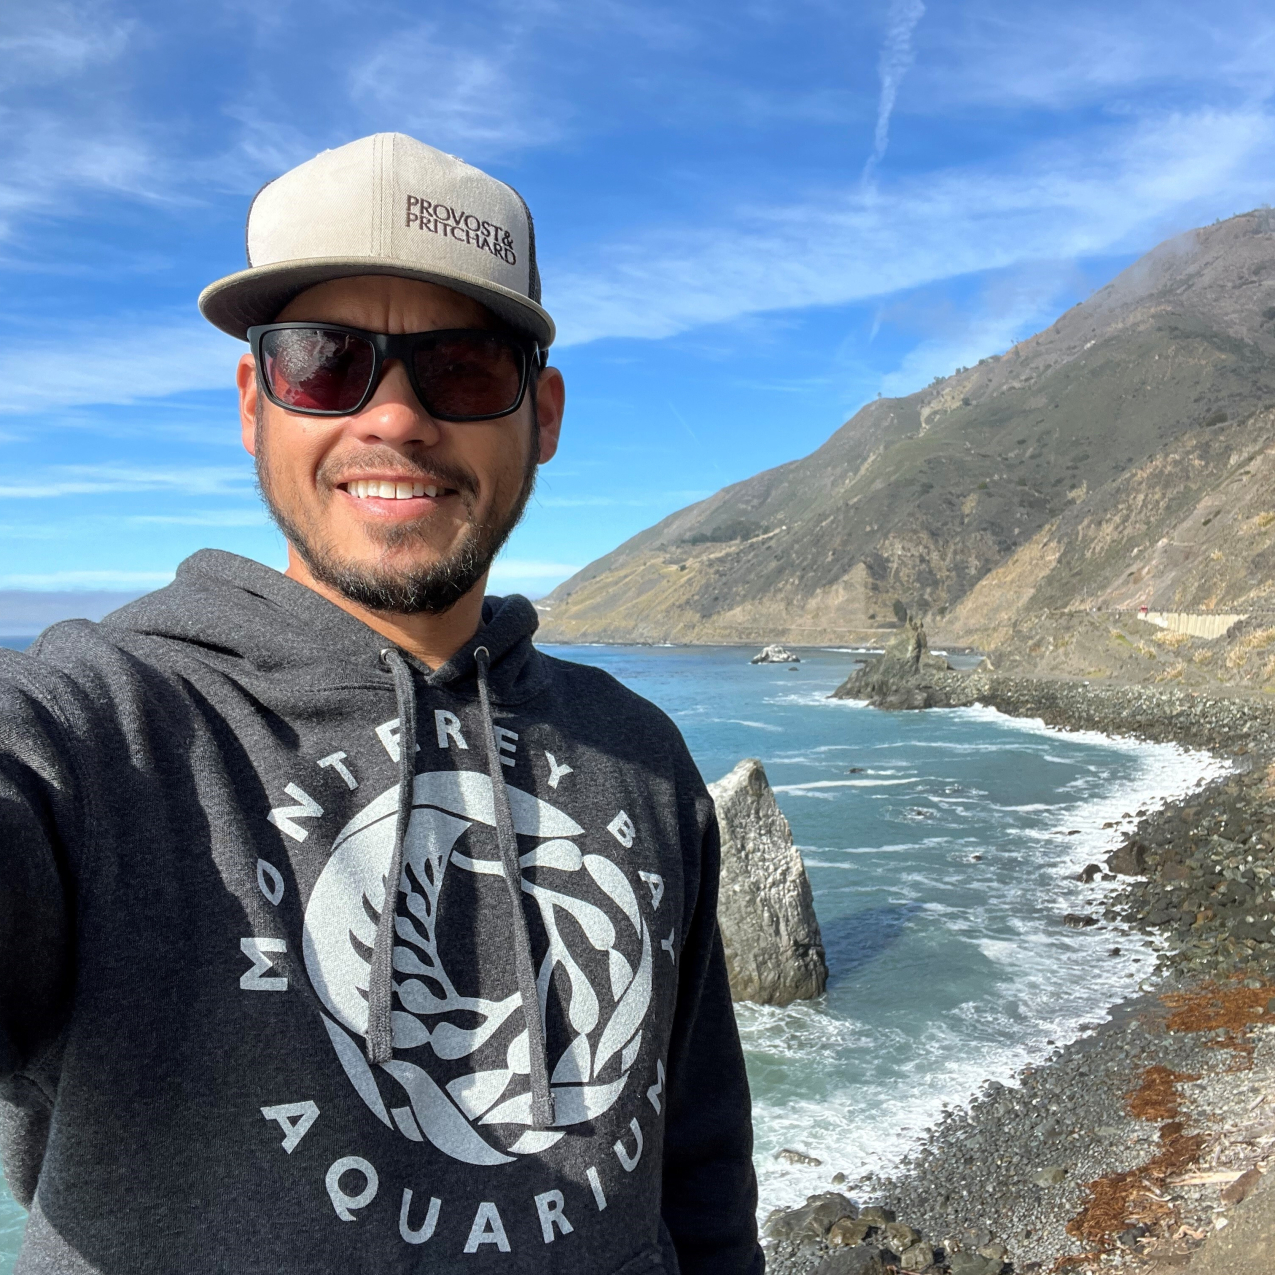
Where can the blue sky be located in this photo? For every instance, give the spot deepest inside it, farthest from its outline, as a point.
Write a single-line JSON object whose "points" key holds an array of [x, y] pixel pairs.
{"points": [[752, 218]]}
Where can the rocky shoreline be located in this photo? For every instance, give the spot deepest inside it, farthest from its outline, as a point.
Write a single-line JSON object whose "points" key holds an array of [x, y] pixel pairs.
{"points": [[1127, 1148]]}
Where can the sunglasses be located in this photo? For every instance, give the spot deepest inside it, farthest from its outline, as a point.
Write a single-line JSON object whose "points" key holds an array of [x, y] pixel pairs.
{"points": [[323, 369]]}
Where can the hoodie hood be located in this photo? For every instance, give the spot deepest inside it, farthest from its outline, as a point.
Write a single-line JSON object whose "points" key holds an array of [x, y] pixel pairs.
{"points": [[238, 612], [251, 607]]}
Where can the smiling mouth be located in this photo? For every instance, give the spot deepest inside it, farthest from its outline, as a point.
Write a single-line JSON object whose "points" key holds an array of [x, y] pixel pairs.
{"points": [[382, 489]]}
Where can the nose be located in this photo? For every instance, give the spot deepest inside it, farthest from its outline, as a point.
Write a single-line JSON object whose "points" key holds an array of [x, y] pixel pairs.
{"points": [[394, 414]]}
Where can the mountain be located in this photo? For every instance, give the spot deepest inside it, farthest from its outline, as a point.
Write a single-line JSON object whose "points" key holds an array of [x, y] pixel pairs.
{"points": [[1125, 456]]}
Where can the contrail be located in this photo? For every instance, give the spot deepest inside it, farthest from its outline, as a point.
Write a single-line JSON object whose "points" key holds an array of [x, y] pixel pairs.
{"points": [[896, 58]]}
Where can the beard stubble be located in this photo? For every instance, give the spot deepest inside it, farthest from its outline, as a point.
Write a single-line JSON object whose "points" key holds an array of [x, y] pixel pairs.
{"points": [[429, 589]]}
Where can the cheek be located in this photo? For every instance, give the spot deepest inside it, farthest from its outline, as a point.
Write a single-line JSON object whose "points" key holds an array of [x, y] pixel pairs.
{"points": [[504, 462], [294, 449]]}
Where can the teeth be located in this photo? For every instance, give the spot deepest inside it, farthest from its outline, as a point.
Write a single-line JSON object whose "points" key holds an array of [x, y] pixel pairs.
{"points": [[362, 488]]}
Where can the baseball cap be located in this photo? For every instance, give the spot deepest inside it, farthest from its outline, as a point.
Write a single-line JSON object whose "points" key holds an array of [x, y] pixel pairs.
{"points": [[385, 204]]}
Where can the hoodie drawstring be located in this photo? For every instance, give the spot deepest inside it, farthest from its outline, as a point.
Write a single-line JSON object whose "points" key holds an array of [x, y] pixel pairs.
{"points": [[542, 1106], [380, 991], [380, 1039]]}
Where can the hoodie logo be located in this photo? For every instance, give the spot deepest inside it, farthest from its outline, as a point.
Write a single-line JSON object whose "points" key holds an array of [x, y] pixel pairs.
{"points": [[460, 1077]]}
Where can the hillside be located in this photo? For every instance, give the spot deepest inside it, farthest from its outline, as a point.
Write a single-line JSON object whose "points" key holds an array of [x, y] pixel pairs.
{"points": [[1125, 456]]}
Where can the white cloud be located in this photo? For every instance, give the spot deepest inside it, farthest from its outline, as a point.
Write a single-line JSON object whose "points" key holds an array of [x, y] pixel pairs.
{"points": [[231, 518], [464, 98], [1008, 309], [1120, 191], [1037, 53], [895, 60], [120, 361], [530, 569], [85, 580], [83, 480], [64, 122]]}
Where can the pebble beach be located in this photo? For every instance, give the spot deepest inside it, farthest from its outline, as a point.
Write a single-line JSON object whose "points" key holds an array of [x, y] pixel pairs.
{"points": [[1129, 1146]]}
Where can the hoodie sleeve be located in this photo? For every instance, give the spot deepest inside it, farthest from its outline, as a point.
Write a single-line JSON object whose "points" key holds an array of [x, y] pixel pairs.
{"points": [[710, 1189], [39, 818]]}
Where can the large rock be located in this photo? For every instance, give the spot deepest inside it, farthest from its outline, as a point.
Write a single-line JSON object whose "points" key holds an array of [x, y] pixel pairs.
{"points": [[774, 953], [774, 654], [904, 675]]}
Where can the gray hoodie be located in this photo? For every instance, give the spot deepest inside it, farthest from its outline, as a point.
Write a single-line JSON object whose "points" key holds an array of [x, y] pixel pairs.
{"points": [[221, 1052]]}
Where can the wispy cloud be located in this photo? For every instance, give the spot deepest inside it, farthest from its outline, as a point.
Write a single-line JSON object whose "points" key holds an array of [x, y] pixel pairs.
{"points": [[124, 360], [895, 61], [211, 518], [1040, 54], [1011, 306], [465, 98], [65, 127], [82, 480], [1123, 190], [531, 569], [588, 502], [43, 580]]}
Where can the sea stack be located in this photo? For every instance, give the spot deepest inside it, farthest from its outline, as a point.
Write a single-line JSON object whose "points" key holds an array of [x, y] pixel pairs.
{"points": [[775, 654], [904, 675], [774, 954]]}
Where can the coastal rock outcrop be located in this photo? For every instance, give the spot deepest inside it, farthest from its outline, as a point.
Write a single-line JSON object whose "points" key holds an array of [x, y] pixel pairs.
{"points": [[904, 676], [774, 953], [775, 654]]}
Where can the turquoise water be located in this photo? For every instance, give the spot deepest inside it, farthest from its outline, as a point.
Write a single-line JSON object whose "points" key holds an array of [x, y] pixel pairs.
{"points": [[945, 969]]}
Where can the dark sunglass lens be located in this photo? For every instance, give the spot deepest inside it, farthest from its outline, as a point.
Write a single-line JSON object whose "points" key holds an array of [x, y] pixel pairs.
{"points": [[317, 368], [469, 375]]}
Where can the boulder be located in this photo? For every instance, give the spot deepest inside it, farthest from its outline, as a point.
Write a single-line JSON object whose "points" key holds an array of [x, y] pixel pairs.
{"points": [[789, 1156], [974, 1264], [904, 676], [813, 1220], [851, 1261], [774, 953], [774, 654]]}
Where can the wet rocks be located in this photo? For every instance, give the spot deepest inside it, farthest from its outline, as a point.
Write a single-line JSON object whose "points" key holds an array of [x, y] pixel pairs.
{"points": [[774, 952], [849, 1261], [1077, 921], [775, 654], [831, 1234], [1002, 1179], [974, 1264], [905, 675], [789, 1156], [1128, 860]]}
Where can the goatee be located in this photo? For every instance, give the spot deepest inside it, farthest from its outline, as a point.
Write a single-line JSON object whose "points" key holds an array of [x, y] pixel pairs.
{"points": [[429, 589]]}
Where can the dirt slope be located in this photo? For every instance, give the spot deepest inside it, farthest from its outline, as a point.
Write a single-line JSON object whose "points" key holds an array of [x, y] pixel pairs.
{"points": [[1123, 456]]}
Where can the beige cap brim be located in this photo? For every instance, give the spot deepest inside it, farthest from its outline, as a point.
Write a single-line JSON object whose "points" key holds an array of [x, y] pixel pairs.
{"points": [[257, 295]]}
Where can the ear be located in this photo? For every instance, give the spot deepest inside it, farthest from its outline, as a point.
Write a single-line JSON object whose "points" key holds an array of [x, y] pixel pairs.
{"points": [[246, 380], [551, 398]]}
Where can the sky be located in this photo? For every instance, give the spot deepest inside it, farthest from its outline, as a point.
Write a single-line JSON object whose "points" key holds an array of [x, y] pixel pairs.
{"points": [[752, 218]]}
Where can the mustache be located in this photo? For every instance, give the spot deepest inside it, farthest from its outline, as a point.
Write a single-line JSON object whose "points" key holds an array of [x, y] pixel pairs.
{"points": [[385, 461]]}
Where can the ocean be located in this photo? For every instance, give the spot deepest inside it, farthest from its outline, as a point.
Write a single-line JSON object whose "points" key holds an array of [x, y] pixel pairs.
{"points": [[942, 849]]}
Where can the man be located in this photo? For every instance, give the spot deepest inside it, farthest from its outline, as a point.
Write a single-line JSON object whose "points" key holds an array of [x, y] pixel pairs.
{"points": [[341, 930]]}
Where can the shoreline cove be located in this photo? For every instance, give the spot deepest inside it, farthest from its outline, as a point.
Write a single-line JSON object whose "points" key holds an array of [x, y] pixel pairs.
{"points": [[1070, 1166], [1047, 1012]]}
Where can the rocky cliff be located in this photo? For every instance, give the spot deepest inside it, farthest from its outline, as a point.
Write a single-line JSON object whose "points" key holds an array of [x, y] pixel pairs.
{"points": [[774, 952], [1123, 457]]}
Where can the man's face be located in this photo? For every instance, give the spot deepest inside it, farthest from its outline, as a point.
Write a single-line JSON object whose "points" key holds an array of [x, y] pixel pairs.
{"points": [[422, 553]]}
